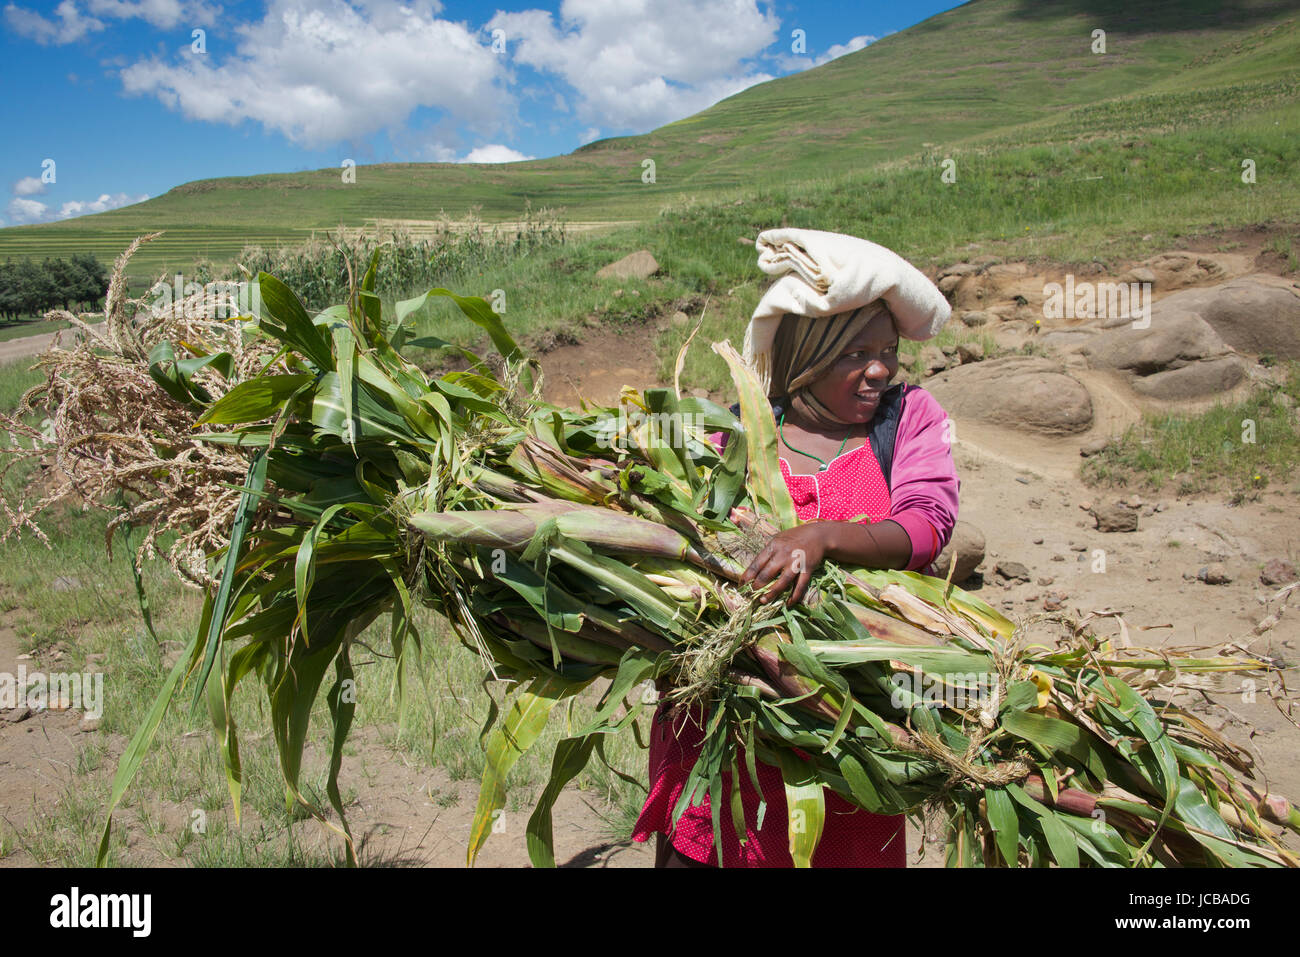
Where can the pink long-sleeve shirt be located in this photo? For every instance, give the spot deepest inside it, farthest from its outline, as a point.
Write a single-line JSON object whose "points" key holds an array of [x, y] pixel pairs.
{"points": [[924, 487]]}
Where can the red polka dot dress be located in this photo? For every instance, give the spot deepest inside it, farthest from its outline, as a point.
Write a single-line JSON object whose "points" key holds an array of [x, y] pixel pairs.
{"points": [[851, 487]]}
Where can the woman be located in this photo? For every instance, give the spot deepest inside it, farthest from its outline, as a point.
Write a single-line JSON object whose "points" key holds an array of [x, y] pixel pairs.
{"points": [[851, 447]]}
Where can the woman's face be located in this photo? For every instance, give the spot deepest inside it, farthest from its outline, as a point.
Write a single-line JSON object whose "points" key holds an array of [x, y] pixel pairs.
{"points": [[851, 388]]}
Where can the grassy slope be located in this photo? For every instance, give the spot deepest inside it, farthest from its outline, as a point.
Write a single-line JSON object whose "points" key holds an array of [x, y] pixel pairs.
{"points": [[979, 72]]}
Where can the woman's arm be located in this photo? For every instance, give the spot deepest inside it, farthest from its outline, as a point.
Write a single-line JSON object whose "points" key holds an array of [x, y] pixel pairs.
{"points": [[924, 486], [924, 498]]}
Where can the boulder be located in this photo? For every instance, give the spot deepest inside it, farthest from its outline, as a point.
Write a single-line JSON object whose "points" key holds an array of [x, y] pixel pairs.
{"points": [[1257, 314], [1029, 393], [970, 352], [1174, 338], [933, 360], [948, 283], [978, 317], [1174, 270], [1190, 381], [637, 265], [967, 543], [1067, 340]]}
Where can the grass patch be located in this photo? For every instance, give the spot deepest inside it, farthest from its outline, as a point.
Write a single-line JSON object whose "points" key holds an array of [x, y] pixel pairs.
{"points": [[1241, 447]]}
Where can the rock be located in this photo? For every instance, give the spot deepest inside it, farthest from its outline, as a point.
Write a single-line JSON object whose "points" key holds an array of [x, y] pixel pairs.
{"points": [[1058, 558], [1029, 393], [1174, 270], [1277, 571], [1094, 447], [958, 269], [1178, 356], [679, 318], [948, 283], [1013, 571], [1139, 274], [1257, 314], [1214, 574], [88, 724], [14, 715], [637, 265], [1174, 338], [1054, 603], [933, 360], [1067, 340], [967, 542], [1008, 270], [1207, 377], [1038, 541], [1046, 580], [977, 317], [65, 583], [1115, 518], [970, 352]]}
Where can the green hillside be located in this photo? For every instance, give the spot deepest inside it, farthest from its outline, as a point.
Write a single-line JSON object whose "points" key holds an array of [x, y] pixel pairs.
{"points": [[986, 75]]}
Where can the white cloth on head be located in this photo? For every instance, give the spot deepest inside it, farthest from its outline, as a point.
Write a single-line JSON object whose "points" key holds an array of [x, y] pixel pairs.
{"points": [[825, 274]]}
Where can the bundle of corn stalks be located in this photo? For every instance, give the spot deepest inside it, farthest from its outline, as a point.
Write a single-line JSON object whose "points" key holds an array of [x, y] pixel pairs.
{"points": [[570, 547]]}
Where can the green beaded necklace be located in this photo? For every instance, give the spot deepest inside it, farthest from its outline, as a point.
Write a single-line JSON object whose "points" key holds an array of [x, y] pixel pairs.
{"points": [[780, 428]]}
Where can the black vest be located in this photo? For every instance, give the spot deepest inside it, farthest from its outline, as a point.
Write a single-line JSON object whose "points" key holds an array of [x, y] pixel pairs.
{"points": [[884, 425]]}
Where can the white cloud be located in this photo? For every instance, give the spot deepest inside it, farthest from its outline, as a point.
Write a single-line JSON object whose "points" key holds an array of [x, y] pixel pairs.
{"points": [[797, 63], [636, 64], [494, 153], [103, 204], [588, 135], [21, 211], [28, 186], [70, 27], [73, 24], [323, 71]]}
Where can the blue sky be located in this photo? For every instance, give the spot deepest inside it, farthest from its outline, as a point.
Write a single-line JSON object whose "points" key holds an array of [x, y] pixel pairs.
{"points": [[128, 101]]}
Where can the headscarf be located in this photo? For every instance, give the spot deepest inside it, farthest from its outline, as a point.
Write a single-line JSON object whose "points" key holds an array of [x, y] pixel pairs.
{"points": [[825, 275], [805, 347]]}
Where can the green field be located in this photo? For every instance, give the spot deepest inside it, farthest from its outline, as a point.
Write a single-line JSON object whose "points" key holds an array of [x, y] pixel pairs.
{"points": [[985, 76]]}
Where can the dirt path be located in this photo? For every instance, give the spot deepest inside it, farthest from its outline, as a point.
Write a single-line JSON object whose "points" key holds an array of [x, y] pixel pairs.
{"points": [[12, 349]]}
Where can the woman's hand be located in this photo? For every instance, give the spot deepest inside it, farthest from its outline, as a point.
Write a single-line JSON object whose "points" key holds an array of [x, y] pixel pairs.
{"points": [[790, 558]]}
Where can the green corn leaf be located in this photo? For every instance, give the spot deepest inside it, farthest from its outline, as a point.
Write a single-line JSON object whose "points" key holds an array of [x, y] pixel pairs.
{"points": [[517, 732], [765, 478], [254, 400], [1005, 824], [805, 805], [239, 528]]}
